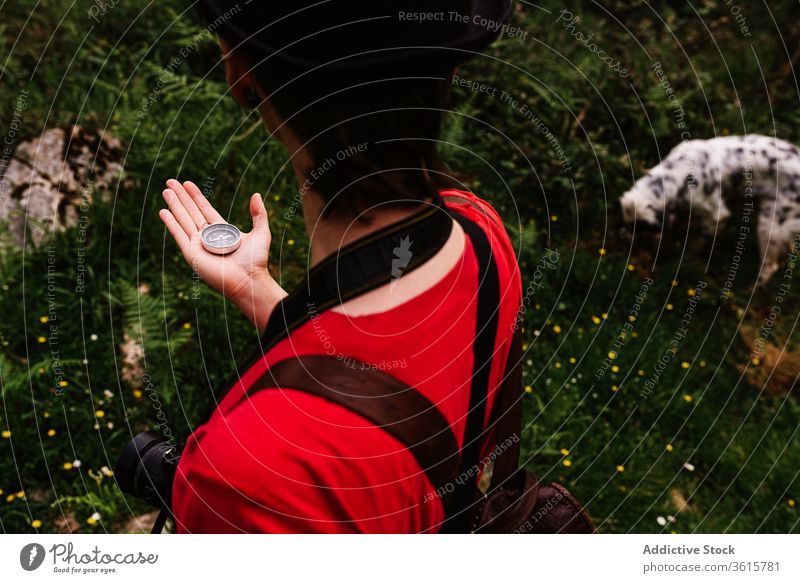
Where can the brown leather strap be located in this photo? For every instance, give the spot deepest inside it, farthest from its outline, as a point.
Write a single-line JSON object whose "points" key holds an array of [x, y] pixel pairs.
{"points": [[380, 398], [506, 416]]}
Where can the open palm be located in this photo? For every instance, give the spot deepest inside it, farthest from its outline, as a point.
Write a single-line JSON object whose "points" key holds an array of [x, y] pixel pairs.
{"points": [[241, 276]]}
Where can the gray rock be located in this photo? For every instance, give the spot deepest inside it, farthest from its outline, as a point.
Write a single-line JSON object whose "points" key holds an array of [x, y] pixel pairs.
{"points": [[51, 179]]}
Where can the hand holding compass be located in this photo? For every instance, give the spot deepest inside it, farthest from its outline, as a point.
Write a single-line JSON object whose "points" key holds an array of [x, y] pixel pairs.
{"points": [[208, 243]]}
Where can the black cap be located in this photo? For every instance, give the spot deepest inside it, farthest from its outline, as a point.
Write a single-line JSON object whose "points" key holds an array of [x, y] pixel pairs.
{"points": [[355, 37]]}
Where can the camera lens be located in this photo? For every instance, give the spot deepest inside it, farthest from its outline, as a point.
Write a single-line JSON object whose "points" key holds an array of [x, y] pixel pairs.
{"points": [[146, 468]]}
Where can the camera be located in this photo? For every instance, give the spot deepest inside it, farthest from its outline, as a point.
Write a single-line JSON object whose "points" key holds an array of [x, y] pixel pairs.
{"points": [[146, 468]]}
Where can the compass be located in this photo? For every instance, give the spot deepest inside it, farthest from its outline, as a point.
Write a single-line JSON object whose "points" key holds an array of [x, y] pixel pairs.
{"points": [[220, 238]]}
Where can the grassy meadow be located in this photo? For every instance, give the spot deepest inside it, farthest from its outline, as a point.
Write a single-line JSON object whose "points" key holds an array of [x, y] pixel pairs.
{"points": [[647, 391]]}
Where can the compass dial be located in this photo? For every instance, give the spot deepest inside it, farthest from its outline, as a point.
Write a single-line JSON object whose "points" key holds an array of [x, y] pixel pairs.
{"points": [[220, 238]]}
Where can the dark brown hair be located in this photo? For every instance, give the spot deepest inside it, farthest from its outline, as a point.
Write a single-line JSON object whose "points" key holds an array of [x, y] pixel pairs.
{"points": [[370, 143], [372, 136]]}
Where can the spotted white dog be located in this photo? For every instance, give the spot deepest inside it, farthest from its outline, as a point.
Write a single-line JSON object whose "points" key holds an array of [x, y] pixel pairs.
{"points": [[702, 175]]}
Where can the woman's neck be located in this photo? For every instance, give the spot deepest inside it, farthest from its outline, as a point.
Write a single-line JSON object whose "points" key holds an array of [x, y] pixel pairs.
{"points": [[327, 234]]}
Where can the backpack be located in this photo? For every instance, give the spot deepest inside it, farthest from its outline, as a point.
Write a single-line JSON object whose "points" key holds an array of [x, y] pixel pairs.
{"points": [[506, 498]]}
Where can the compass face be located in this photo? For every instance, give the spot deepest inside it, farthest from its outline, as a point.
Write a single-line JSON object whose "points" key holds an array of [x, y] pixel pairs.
{"points": [[220, 238]]}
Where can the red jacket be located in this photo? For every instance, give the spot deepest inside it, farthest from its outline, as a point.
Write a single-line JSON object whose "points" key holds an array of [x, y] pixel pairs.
{"points": [[287, 461]]}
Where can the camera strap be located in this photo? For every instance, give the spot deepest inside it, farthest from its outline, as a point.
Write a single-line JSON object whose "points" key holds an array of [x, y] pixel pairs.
{"points": [[362, 266], [357, 268]]}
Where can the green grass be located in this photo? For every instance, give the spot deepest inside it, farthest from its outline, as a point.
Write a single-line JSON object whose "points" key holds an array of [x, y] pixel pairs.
{"points": [[719, 414]]}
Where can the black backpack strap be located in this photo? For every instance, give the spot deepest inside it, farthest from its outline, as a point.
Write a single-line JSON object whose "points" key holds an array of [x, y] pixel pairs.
{"points": [[461, 504], [380, 398], [411, 417]]}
